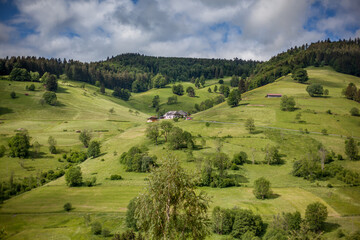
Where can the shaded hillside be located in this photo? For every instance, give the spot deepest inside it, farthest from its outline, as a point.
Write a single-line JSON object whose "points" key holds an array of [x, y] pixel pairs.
{"points": [[343, 56]]}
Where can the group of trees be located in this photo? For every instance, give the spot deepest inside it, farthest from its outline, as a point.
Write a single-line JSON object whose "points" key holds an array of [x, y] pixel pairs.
{"points": [[351, 92], [137, 160], [291, 226], [287, 103], [174, 136], [208, 103], [237, 222], [134, 72], [121, 93], [343, 56], [316, 89]]}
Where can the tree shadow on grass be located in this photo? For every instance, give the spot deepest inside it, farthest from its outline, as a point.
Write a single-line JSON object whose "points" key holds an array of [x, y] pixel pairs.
{"points": [[5, 110], [329, 227], [257, 132], [239, 178], [273, 196], [62, 90]]}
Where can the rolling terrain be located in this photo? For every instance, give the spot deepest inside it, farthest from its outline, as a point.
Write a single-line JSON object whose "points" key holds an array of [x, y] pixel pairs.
{"points": [[39, 213]]}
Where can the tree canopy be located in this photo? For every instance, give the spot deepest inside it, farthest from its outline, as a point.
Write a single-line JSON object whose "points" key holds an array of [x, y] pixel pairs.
{"points": [[170, 208]]}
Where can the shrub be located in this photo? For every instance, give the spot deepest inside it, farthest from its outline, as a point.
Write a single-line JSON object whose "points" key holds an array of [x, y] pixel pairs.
{"points": [[354, 112], [19, 145], [287, 103], [315, 215], [94, 149], [67, 207], [246, 221], [96, 228], [115, 177], [315, 89], [240, 158], [13, 94], [262, 188], [73, 176], [105, 232], [50, 98], [234, 167], [32, 87], [324, 132]]}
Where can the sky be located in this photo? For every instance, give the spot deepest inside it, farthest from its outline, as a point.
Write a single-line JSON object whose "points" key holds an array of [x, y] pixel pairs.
{"points": [[92, 30]]}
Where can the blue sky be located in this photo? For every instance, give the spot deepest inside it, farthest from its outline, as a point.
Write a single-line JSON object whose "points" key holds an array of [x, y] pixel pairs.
{"points": [[91, 30]]}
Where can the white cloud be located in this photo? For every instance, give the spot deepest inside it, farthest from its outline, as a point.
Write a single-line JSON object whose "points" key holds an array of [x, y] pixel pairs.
{"points": [[91, 30]]}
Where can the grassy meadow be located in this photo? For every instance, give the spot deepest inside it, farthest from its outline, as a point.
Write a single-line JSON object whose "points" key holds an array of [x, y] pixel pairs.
{"points": [[39, 213]]}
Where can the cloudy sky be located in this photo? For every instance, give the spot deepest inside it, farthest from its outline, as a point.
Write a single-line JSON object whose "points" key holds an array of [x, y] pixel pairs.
{"points": [[91, 30]]}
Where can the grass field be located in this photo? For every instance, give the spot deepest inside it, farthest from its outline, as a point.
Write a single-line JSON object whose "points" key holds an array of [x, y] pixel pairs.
{"points": [[39, 213]]}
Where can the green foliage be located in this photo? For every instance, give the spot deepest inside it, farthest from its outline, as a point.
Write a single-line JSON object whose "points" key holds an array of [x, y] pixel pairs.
{"points": [[158, 81], [222, 220], [94, 149], [2, 150], [234, 82], [52, 144], [250, 125], [246, 221], [19, 145], [51, 83], [96, 228], [73, 176], [90, 182], [171, 208], [166, 127], [351, 92], [300, 75], [315, 89], [67, 207], [272, 155], [85, 137], [315, 215], [75, 157], [287, 103], [209, 90], [287, 222], [178, 138], [234, 98], [156, 101], [209, 103], [172, 100], [19, 74], [116, 177], [215, 88], [190, 91], [240, 158], [351, 149], [31, 87], [221, 81], [35, 76], [178, 89], [262, 188], [130, 219], [355, 112], [225, 90], [50, 98], [275, 234], [137, 160], [121, 93], [153, 132], [13, 95]]}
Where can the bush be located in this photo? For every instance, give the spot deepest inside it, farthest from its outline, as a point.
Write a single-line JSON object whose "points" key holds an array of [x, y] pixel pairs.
{"points": [[13, 94], [300, 75], [262, 188], [315, 215], [105, 232], [130, 215], [354, 112], [90, 183], [234, 167], [67, 207], [287, 103], [246, 221], [240, 158], [315, 89], [115, 177], [32, 87], [94, 149], [96, 228], [73, 176], [50, 98]]}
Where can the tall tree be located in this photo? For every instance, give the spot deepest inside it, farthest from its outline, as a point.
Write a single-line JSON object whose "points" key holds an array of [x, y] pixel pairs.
{"points": [[171, 208], [351, 148], [234, 98]]}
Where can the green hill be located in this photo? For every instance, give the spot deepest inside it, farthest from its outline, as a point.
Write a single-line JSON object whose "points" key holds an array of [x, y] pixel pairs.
{"points": [[39, 212]]}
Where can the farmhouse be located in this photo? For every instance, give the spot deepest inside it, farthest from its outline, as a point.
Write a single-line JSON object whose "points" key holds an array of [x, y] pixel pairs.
{"points": [[175, 114], [269, 95], [152, 119]]}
